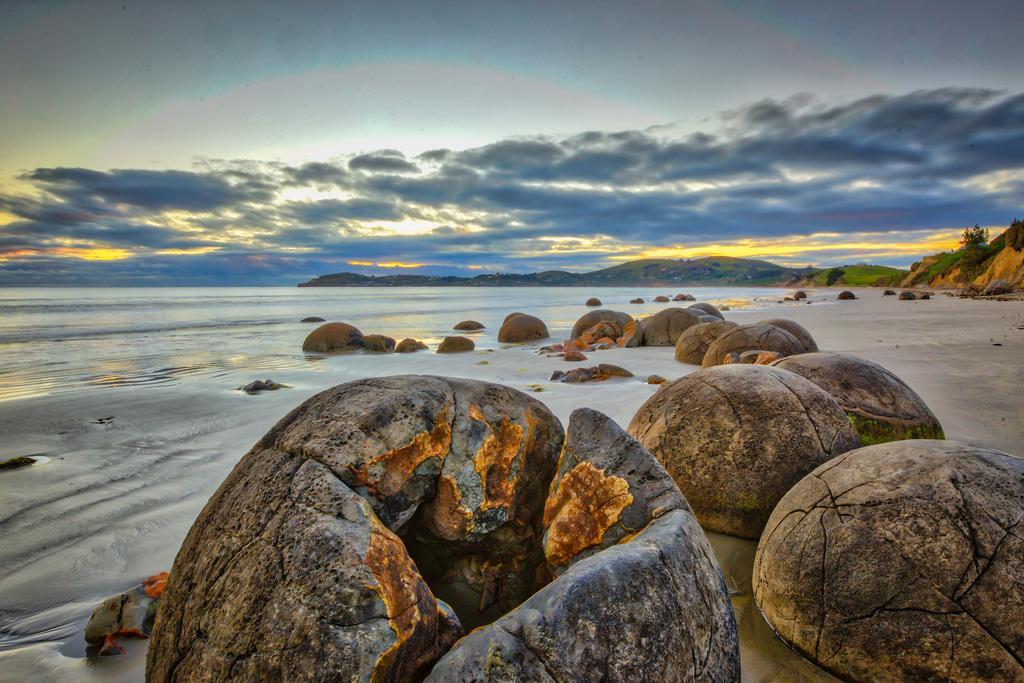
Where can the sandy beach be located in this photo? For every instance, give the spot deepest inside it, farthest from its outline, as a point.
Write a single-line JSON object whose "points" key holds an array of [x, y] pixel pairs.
{"points": [[111, 500]]}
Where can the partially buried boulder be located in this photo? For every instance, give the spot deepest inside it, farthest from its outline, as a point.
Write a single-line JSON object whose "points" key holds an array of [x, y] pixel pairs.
{"points": [[593, 301], [312, 319], [846, 296], [603, 315], [880, 405], [693, 343], [888, 292], [901, 562], [661, 299], [684, 297], [749, 337], [456, 345], [378, 343], [795, 329], [637, 300], [409, 345], [294, 571], [709, 309], [664, 327], [736, 437], [469, 326], [907, 296], [333, 338], [799, 295], [522, 328], [639, 595]]}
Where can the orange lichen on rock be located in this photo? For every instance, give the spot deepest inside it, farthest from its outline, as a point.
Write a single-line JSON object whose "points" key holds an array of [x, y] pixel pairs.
{"points": [[495, 460], [387, 473], [448, 517], [154, 585], [584, 506], [400, 587], [628, 332]]}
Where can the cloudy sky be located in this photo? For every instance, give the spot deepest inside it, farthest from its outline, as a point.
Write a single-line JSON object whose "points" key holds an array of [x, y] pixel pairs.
{"points": [[234, 143]]}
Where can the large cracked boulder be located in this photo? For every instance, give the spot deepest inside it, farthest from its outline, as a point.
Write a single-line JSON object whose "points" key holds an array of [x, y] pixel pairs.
{"points": [[795, 329], [706, 308], [294, 569], [333, 338], [750, 338], [879, 404], [601, 315], [520, 327], [693, 343], [664, 327], [735, 438], [639, 594], [901, 562]]}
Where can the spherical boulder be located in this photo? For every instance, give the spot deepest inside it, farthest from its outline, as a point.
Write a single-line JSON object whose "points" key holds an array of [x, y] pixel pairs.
{"points": [[522, 328], [907, 296], [888, 292], [664, 327], [294, 570], [468, 326], [593, 301], [456, 345], [799, 295], [693, 343], [795, 329], [846, 295], [313, 319], [705, 307], [510, 316], [637, 300], [901, 562], [602, 315], [749, 337], [735, 438], [378, 343], [661, 299], [409, 345], [880, 405], [684, 297], [333, 338], [638, 593]]}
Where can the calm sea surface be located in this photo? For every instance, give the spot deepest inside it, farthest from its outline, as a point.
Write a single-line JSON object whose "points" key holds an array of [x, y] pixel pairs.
{"points": [[63, 340]]}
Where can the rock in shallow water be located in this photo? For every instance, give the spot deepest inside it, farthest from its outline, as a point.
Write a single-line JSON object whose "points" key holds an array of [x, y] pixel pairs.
{"points": [[128, 615], [256, 386], [901, 562]]}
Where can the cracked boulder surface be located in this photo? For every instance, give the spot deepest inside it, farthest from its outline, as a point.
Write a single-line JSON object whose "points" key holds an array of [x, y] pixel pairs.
{"points": [[693, 343], [795, 329], [735, 438], [749, 338], [664, 327], [297, 566], [639, 594], [520, 327], [602, 315], [880, 405], [707, 309], [901, 561]]}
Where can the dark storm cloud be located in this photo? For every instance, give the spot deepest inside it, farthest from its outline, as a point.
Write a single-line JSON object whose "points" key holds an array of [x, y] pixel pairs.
{"points": [[924, 160]]}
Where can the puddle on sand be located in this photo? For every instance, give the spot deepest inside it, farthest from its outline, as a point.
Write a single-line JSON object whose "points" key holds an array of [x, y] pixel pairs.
{"points": [[763, 655]]}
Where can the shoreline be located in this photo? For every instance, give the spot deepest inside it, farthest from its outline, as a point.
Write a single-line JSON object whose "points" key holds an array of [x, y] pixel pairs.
{"points": [[116, 499]]}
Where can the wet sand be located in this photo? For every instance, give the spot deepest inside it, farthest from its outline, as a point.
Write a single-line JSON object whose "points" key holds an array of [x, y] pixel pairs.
{"points": [[116, 499]]}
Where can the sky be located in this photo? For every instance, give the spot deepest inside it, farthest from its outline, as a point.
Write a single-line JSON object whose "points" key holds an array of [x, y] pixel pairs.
{"points": [[181, 143]]}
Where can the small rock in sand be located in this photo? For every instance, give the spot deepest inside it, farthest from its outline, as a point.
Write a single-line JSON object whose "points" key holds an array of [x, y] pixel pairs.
{"points": [[593, 301], [313, 319], [259, 385]]}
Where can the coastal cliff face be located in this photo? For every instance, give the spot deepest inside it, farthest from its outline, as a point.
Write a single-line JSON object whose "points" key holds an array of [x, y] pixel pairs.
{"points": [[1002, 259]]}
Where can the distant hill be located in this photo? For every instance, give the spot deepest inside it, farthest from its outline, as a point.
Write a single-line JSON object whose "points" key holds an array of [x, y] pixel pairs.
{"points": [[1001, 259], [711, 270], [854, 276]]}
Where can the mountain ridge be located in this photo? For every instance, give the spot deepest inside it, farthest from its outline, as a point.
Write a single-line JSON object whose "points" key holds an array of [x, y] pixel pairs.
{"points": [[708, 270]]}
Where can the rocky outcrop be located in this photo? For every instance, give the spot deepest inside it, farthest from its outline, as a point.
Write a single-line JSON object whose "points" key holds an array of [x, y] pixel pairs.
{"points": [[735, 438], [664, 327], [901, 562], [289, 573], [333, 338], [749, 338], [638, 593], [880, 405], [456, 345], [521, 327]]}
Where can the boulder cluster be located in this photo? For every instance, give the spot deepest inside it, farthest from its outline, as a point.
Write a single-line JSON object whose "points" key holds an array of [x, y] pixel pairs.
{"points": [[380, 520], [721, 342]]}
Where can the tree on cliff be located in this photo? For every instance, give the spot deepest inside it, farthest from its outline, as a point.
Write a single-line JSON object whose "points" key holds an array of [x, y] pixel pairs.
{"points": [[974, 237]]}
